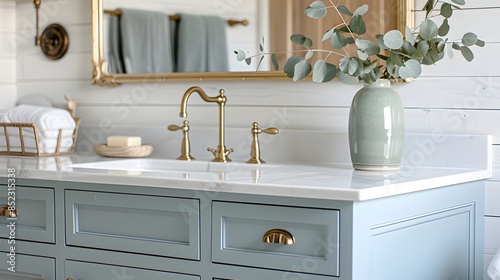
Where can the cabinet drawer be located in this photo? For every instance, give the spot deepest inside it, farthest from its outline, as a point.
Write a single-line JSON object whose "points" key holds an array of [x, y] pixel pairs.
{"points": [[35, 209], [27, 267], [82, 270], [238, 231], [152, 225]]}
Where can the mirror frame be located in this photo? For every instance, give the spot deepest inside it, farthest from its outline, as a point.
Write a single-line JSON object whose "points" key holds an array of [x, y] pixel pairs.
{"points": [[100, 76]]}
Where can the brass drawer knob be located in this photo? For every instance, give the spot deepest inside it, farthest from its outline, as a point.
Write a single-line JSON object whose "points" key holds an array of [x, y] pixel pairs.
{"points": [[278, 236], [4, 211]]}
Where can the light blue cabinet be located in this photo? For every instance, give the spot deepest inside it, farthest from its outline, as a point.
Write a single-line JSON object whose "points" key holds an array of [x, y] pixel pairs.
{"points": [[35, 207], [102, 231], [27, 267]]}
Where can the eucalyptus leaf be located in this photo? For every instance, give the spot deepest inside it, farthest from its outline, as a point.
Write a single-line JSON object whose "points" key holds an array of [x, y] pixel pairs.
{"points": [[344, 10], [302, 69], [309, 54], [367, 46], [444, 28], [423, 47], [429, 5], [240, 55], [353, 67], [393, 39], [307, 43], [362, 55], [409, 35], [408, 48], [260, 62], [381, 43], [411, 70], [467, 53], [449, 51], [248, 60], [395, 59], [458, 2], [319, 72], [276, 64], [428, 30], [338, 40], [446, 10], [316, 10], [361, 10], [369, 78], [261, 47], [344, 64], [289, 68], [480, 43], [298, 39], [469, 39], [328, 34], [331, 72], [455, 46], [346, 79], [358, 25]]}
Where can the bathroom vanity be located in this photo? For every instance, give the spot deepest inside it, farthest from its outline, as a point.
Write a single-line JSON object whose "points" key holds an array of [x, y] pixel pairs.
{"points": [[164, 219]]}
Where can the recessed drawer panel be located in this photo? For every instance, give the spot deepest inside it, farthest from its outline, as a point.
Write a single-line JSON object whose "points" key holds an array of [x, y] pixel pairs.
{"points": [[27, 267], [35, 214], [154, 225], [90, 271], [240, 233]]}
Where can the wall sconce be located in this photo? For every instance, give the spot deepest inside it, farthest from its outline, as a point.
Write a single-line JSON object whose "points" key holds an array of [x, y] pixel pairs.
{"points": [[54, 40]]}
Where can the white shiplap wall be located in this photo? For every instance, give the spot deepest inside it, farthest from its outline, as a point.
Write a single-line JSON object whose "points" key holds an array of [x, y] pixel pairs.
{"points": [[453, 97], [7, 54]]}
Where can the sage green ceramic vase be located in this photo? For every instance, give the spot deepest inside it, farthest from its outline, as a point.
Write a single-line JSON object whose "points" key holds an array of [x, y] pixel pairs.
{"points": [[376, 128]]}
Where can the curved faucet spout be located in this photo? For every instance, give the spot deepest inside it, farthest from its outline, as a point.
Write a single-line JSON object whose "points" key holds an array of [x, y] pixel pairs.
{"points": [[203, 95], [221, 152]]}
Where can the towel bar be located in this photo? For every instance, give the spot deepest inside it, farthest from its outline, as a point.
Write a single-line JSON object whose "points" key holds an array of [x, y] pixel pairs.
{"points": [[230, 22]]}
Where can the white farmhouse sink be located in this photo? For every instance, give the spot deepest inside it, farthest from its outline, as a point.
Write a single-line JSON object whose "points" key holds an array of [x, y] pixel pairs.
{"points": [[170, 166]]}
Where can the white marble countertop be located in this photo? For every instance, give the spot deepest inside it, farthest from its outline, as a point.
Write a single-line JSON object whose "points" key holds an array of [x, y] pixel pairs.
{"points": [[469, 159]]}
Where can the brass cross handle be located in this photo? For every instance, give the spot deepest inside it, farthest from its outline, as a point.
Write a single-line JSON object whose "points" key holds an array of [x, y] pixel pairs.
{"points": [[255, 152], [186, 147], [278, 236]]}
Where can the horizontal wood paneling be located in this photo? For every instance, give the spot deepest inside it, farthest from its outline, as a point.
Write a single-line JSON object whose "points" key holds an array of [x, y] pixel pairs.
{"points": [[40, 68], [492, 195], [492, 235]]}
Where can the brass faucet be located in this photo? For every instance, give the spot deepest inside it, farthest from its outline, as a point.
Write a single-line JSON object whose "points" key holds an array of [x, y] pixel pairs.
{"points": [[221, 152]]}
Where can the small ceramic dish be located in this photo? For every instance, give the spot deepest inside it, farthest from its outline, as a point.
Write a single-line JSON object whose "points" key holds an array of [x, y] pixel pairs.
{"points": [[125, 152]]}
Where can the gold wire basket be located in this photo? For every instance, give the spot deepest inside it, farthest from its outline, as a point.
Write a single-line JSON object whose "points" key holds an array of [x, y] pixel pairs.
{"points": [[29, 130]]}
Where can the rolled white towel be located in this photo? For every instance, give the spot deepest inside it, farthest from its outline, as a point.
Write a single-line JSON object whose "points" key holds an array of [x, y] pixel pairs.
{"points": [[494, 268], [48, 121]]}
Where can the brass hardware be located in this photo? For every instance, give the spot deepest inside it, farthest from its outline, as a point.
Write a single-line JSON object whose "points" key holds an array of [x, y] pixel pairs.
{"points": [[230, 22], [278, 236], [5, 212], [37, 7], [186, 148], [255, 152], [54, 41], [221, 152]]}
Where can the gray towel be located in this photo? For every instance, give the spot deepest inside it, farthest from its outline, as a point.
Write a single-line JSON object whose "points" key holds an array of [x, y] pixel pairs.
{"points": [[202, 45], [146, 42], [115, 59]]}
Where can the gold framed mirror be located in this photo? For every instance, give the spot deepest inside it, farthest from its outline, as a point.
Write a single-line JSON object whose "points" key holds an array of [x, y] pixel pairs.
{"points": [[400, 15]]}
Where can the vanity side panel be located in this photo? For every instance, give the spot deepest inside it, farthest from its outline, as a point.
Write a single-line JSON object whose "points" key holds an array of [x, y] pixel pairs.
{"points": [[448, 222]]}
